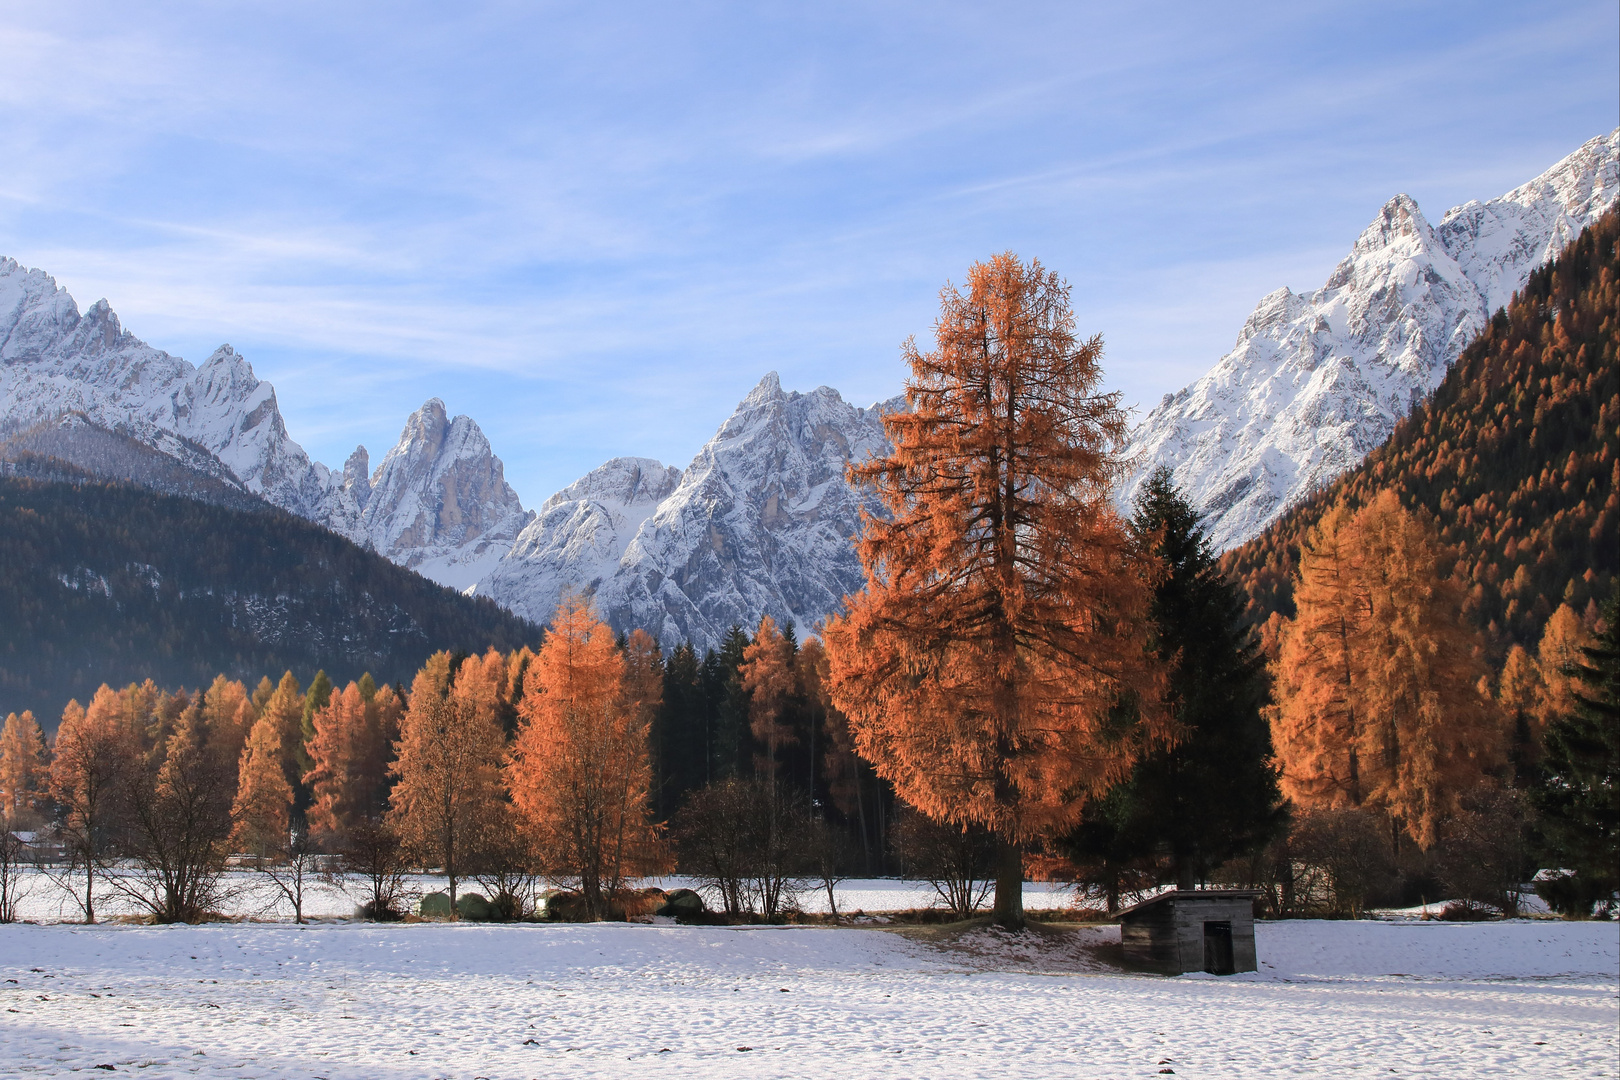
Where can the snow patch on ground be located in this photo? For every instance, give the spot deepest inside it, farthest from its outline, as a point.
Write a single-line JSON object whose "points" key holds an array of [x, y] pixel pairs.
{"points": [[363, 1001]]}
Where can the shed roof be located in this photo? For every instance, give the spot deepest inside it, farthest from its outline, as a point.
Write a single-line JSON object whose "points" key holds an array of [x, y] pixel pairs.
{"points": [[1181, 895]]}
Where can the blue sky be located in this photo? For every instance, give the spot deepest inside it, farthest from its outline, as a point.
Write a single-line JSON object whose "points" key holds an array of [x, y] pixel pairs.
{"points": [[594, 227]]}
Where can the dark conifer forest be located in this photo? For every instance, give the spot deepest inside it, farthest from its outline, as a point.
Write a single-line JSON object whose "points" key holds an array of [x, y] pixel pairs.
{"points": [[110, 583]]}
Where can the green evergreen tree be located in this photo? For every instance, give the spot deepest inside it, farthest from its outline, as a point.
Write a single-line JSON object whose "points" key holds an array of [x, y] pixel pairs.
{"points": [[1214, 795], [1579, 790], [732, 748], [680, 732], [320, 692]]}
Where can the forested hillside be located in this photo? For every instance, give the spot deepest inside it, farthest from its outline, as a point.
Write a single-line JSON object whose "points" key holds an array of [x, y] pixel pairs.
{"points": [[112, 583], [1515, 456]]}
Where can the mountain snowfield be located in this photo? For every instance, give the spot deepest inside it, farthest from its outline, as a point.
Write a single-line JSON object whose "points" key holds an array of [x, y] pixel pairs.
{"points": [[1318, 379], [759, 523]]}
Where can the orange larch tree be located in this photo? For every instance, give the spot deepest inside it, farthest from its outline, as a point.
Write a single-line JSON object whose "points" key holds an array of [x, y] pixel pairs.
{"points": [[264, 797], [24, 770], [1380, 683], [447, 766], [580, 774], [995, 669], [1558, 656], [229, 713], [285, 709], [98, 751], [768, 677], [1317, 721], [350, 753]]}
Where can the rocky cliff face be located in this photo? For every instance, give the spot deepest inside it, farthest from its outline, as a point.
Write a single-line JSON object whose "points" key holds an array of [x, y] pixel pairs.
{"points": [[1318, 379], [438, 503], [760, 522]]}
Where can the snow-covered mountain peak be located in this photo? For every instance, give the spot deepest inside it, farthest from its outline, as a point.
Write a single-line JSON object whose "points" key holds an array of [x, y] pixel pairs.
{"points": [[1316, 380], [623, 481], [439, 501], [761, 521], [1399, 226]]}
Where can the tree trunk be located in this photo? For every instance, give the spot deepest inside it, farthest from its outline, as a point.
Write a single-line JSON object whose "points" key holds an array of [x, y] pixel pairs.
{"points": [[1009, 906], [1184, 873], [89, 892]]}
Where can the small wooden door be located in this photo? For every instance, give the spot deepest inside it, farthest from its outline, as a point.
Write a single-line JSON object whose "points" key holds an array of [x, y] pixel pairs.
{"points": [[1218, 948]]}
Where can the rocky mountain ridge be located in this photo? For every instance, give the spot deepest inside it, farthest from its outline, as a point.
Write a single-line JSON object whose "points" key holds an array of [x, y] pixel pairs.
{"points": [[1317, 380], [438, 503], [760, 522]]}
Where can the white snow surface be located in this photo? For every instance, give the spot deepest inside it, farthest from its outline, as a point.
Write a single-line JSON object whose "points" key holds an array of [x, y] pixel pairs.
{"points": [[759, 523], [350, 1000], [1319, 379], [46, 897], [438, 503]]}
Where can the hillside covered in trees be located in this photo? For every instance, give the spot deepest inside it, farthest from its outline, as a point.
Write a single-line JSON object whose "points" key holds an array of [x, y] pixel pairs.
{"points": [[1516, 456], [109, 583]]}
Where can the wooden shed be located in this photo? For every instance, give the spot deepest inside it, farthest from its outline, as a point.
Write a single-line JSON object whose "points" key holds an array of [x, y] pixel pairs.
{"points": [[1192, 930]]}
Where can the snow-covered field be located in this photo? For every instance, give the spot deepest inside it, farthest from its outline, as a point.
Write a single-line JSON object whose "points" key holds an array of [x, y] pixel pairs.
{"points": [[1371, 999], [46, 898]]}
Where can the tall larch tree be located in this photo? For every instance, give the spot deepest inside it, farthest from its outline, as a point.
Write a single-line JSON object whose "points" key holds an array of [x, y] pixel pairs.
{"points": [[447, 770], [348, 780], [229, 713], [989, 665], [264, 796], [285, 710], [768, 677], [1402, 661], [1559, 658], [25, 770], [98, 752], [180, 823], [1317, 721], [580, 775]]}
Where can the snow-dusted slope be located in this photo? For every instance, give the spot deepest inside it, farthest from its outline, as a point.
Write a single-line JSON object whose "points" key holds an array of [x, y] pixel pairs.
{"points": [[53, 361], [577, 539], [1316, 380], [438, 503], [759, 523]]}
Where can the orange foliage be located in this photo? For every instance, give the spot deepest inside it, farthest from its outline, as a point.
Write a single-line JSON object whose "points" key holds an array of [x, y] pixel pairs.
{"points": [[263, 795], [767, 675], [1003, 618], [447, 763], [1378, 676], [348, 778], [24, 769], [580, 773], [97, 753]]}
